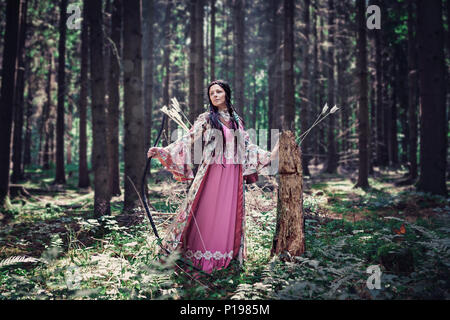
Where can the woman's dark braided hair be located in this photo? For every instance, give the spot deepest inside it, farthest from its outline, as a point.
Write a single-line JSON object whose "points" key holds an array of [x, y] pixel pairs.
{"points": [[214, 111]]}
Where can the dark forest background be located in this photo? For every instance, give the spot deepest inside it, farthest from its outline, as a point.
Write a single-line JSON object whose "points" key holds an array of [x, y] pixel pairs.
{"points": [[88, 84], [82, 85]]}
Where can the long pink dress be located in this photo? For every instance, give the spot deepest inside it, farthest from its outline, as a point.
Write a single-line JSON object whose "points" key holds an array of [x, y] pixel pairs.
{"points": [[209, 226], [213, 235]]}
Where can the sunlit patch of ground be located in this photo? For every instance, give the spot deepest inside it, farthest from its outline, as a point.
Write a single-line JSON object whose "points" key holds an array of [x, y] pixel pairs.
{"points": [[337, 198], [122, 264]]}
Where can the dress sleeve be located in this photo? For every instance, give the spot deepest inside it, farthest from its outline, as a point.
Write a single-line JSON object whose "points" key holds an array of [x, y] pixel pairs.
{"points": [[176, 157], [256, 161]]}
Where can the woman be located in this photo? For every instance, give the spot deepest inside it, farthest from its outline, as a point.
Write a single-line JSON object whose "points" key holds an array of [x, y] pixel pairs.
{"points": [[209, 226]]}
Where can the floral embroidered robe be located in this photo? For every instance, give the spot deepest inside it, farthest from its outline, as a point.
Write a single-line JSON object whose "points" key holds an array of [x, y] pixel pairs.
{"points": [[176, 158]]}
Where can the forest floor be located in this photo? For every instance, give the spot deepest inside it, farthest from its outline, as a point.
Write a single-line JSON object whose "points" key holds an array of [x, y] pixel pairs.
{"points": [[52, 247]]}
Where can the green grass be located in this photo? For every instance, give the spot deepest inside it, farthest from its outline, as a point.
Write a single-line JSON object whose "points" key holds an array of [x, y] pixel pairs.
{"points": [[347, 230]]}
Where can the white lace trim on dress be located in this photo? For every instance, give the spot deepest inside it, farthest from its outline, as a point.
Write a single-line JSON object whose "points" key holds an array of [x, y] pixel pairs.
{"points": [[208, 255]]}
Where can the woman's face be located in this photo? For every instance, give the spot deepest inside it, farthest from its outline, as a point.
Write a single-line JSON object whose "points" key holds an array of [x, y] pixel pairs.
{"points": [[217, 96]]}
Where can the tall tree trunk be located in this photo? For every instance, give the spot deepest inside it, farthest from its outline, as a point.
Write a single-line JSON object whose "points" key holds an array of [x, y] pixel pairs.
{"points": [[371, 137], [114, 97], [306, 103], [107, 45], [332, 161], [166, 68], [384, 92], [134, 145], [386, 108], [193, 61], [32, 88], [342, 99], [227, 28], [254, 102], [51, 151], [213, 40], [412, 93], [344, 51], [107, 48], [148, 10], [9, 64], [60, 177], [200, 64], [363, 114], [323, 68], [315, 80], [448, 29], [433, 124], [274, 72], [102, 192], [17, 173], [271, 54], [206, 44], [402, 82], [339, 72], [83, 174], [312, 77], [46, 117], [288, 67], [2, 27], [393, 145], [239, 54], [196, 64], [379, 104], [279, 86], [69, 133], [448, 72], [28, 121]]}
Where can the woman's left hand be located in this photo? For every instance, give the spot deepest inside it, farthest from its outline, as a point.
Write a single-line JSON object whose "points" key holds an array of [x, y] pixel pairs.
{"points": [[151, 152]]}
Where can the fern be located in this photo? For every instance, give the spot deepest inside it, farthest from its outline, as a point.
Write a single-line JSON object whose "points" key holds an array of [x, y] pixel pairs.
{"points": [[17, 259]]}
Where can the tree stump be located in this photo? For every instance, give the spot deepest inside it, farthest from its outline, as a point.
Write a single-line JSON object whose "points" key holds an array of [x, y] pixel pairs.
{"points": [[289, 239]]}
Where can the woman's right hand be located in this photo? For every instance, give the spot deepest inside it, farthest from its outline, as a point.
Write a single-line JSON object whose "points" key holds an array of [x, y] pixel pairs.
{"points": [[151, 152]]}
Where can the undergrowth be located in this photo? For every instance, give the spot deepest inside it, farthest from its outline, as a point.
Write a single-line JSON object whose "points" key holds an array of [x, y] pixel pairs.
{"points": [[58, 250]]}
